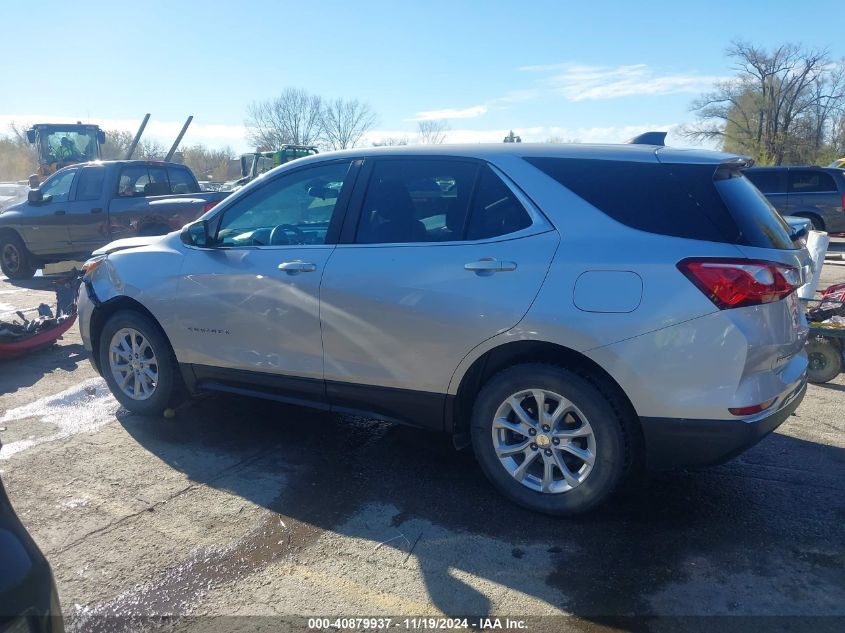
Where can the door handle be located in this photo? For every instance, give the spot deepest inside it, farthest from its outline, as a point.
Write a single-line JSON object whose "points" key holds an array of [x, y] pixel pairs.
{"points": [[59, 212], [297, 267], [96, 210], [489, 265]]}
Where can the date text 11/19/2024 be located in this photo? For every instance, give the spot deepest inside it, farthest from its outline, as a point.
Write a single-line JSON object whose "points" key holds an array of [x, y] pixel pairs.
{"points": [[415, 624]]}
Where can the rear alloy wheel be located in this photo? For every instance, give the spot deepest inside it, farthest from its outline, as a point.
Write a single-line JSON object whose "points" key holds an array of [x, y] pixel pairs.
{"points": [[548, 439], [15, 260], [138, 364], [824, 360], [553, 452]]}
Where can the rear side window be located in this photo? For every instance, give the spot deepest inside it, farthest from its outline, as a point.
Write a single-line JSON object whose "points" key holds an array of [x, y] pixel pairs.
{"points": [[495, 210], [807, 181], [671, 199], [147, 180], [416, 201], [90, 185], [767, 181]]}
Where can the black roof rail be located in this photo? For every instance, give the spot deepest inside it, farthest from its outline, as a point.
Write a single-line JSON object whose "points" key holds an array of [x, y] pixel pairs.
{"points": [[649, 138]]}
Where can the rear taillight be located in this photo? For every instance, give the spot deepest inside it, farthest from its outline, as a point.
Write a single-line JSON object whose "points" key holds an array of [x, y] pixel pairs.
{"points": [[736, 283], [843, 203], [208, 206], [754, 408]]}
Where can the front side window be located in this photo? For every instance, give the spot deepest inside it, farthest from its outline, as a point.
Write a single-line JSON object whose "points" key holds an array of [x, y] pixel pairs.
{"points": [[57, 188], [805, 181], [416, 201], [292, 209]]}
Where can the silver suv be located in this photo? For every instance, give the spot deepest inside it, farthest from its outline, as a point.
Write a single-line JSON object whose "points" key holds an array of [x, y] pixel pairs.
{"points": [[570, 311]]}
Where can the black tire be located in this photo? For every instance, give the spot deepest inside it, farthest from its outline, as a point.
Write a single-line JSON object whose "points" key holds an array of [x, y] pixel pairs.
{"points": [[824, 360], [607, 427], [168, 388], [15, 260], [815, 220]]}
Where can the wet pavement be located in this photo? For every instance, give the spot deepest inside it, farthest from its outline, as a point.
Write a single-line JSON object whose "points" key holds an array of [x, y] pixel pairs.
{"points": [[239, 507]]}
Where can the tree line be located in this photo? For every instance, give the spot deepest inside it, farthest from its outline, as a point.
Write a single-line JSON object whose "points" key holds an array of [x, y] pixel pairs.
{"points": [[782, 106]]}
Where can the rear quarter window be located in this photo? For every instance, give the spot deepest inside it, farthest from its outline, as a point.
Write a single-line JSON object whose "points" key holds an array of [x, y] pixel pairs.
{"points": [[810, 181], [673, 199], [182, 181], [758, 221]]}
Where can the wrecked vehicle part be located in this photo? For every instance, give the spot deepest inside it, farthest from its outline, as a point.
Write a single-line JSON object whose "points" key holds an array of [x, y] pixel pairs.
{"points": [[45, 327]]}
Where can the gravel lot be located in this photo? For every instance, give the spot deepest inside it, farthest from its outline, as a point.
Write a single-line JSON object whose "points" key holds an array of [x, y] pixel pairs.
{"points": [[242, 507]]}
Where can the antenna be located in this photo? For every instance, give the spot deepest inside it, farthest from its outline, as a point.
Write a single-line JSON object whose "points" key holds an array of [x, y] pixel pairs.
{"points": [[137, 138], [178, 139]]}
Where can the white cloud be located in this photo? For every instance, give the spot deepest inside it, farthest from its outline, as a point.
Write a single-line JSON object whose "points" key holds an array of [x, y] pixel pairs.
{"points": [[451, 113], [578, 82]]}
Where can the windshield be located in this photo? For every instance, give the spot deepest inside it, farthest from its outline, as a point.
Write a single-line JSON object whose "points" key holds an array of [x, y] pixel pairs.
{"points": [[63, 146], [264, 164]]}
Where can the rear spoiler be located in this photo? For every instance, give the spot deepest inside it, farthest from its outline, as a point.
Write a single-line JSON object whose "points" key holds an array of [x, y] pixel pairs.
{"points": [[648, 138]]}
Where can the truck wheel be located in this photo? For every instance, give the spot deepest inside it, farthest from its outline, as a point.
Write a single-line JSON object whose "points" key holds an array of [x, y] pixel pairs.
{"points": [[815, 220], [548, 439], [15, 260], [138, 363], [824, 360]]}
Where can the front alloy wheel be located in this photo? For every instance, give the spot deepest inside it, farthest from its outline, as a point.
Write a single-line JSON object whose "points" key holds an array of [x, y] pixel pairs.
{"points": [[133, 364], [138, 363]]}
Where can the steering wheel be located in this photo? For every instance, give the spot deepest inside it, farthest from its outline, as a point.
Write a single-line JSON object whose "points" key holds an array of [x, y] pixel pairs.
{"points": [[284, 231]]}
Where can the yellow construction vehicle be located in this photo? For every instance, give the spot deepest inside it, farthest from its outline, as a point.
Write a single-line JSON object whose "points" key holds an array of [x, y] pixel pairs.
{"points": [[62, 144]]}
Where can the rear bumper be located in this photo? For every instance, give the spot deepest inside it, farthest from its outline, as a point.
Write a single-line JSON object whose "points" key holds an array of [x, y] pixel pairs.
{"points": [[675, 443]]}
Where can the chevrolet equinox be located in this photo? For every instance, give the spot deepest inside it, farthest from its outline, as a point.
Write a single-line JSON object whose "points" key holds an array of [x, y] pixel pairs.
{"points": [[568, 310]]}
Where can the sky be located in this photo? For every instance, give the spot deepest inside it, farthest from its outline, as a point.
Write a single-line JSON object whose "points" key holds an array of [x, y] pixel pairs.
{"points": [[597, 71]]}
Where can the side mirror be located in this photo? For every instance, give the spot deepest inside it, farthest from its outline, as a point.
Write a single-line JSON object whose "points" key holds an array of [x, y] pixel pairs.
{"points": [[101, 137], [196, 234], [35, 196], [30, 135]]}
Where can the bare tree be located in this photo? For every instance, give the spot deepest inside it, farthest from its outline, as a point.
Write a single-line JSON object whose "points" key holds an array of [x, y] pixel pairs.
{"points": [[775, 101], [116, 145], [433, 132], [389, 141], [345, 121], [294, 117], [118, 142]]}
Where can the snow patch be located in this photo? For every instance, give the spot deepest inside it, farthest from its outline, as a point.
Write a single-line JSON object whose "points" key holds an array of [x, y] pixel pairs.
{"points": [[80, 409]]}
